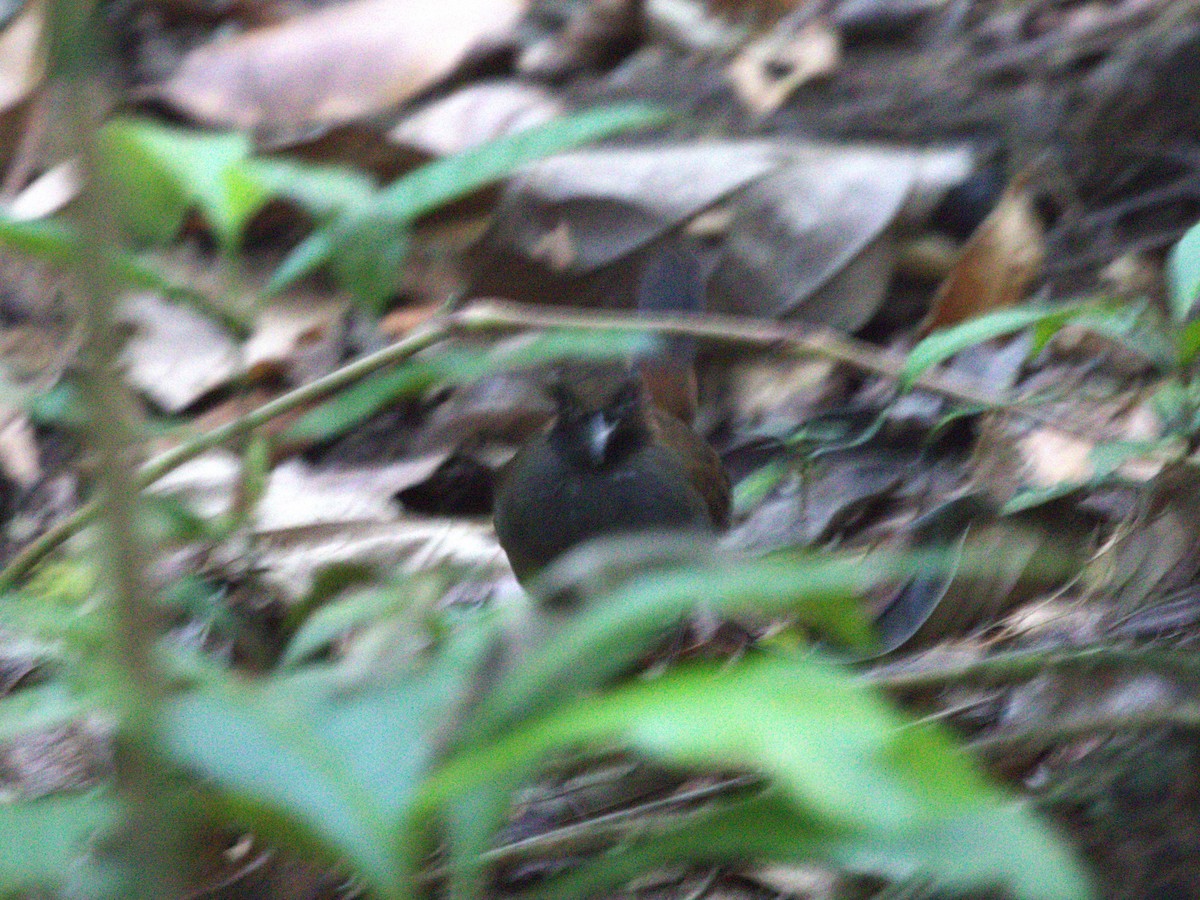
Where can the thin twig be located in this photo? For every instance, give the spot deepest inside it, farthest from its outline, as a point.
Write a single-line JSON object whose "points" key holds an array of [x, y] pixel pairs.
{"points": [[491, 315], [602, 831], [1061, 731], [24, 562], [1021, 665]]}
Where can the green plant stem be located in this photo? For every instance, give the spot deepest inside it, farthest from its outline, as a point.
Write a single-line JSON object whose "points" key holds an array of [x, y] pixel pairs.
{"points": [[148, 847], [430, 333]]}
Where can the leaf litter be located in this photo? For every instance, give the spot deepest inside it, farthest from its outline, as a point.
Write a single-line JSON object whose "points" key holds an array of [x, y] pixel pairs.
{"points": [[804, 172]]}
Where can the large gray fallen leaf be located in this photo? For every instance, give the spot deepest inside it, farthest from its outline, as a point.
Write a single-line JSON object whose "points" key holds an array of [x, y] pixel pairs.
{"points": [[334, 65], [810, 227], [580, 211], [176, 355], [814, 240], [836, 491]]}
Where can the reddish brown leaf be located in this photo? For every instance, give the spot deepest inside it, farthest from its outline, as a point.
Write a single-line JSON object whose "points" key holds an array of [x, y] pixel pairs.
{"points": [[997, 265]]}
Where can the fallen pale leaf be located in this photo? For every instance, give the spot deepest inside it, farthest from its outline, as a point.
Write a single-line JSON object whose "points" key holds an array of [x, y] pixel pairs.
{"points": [[176, 355], [771, 69], [46, 194], [1054, 457], [475, 115], [21, 63], [18, 447], [334, 65]]}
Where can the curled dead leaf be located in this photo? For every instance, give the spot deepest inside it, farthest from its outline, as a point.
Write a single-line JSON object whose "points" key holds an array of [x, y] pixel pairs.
{"points": [[998, 264], [298, 337], [596, 35]]}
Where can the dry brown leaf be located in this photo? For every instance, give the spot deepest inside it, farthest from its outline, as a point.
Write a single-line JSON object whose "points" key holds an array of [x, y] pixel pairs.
{"points": [[334, 65], [597, 35], [769, 71], [399, 322], [298, 337], [997, 265]]}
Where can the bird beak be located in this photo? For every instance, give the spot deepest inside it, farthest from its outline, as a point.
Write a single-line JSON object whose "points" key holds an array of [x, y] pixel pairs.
{"points": [[599, 433]]}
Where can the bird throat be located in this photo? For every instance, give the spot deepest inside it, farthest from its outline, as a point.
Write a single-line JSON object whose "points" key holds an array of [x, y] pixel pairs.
{"points": [[597, 441]]}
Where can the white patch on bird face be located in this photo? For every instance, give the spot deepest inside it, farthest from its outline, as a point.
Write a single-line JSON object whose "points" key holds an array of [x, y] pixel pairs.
{"points": [[599, 432]]}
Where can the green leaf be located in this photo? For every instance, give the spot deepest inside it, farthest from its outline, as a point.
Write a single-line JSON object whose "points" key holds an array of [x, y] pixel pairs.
{"points": [[612, 632], [369, 396], [327, 624], [154, 174], [998, 844], [387, 216], [320, 756], [853, 782], [941, 345], [369, 254], [57, 243], [1187, 342], [141, 191], [453, 177], [322, 191], [1183, 274], [45, 839]]}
